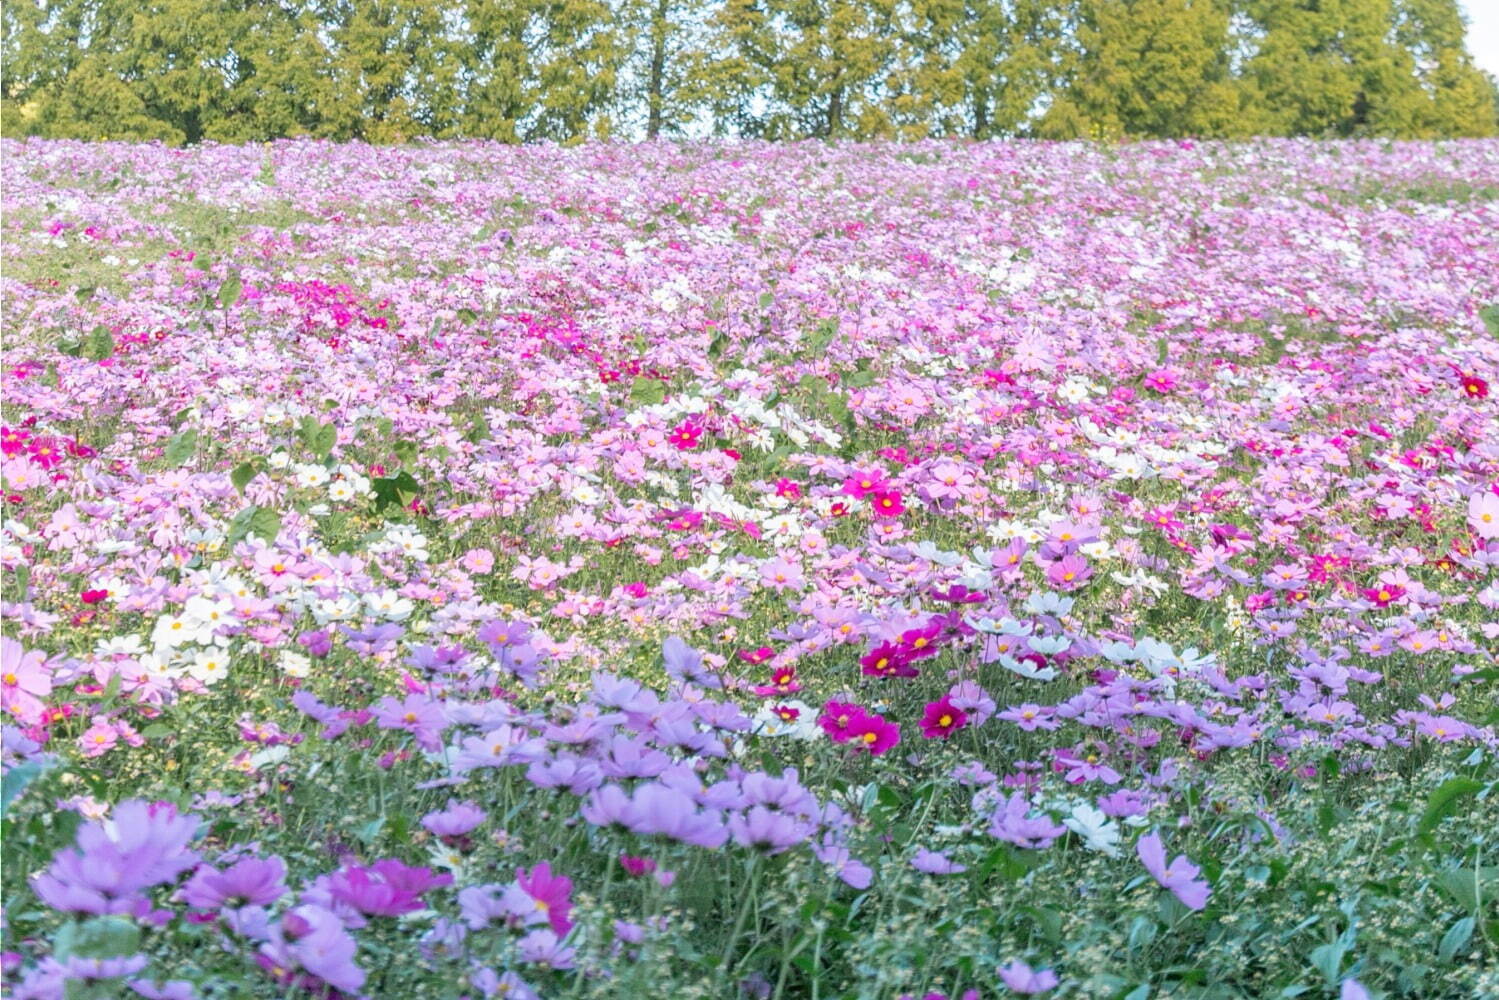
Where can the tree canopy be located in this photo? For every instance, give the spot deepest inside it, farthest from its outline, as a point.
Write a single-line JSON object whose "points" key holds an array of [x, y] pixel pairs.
{"points": [[185, 71]]}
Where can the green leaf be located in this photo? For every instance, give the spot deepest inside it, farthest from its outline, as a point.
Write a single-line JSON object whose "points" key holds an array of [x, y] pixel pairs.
{"points": [[22, 577], [647, 391], [766, 298], [229, 291], [1456, 938], [182, 447], [398, 490], [479, 431], [265, 523], [405, 450], [319, 438], [16, 781], [1328, 959], [99, 345], [1444, 800], [468, 316], [823, 335], [259, 521], [97, 937], [1490, 316], [1163, 350], [111, 690], [243, 474]]}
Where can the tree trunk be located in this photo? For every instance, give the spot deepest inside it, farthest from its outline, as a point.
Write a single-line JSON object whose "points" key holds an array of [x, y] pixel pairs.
{"points": [[654, 98]]}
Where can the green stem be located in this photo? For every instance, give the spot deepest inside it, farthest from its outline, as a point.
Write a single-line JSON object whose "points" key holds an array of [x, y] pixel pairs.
{"points": [[744, 908]]}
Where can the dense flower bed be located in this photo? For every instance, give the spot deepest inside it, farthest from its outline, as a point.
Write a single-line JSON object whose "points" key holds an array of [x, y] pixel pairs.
{"points": [[765, 571]]}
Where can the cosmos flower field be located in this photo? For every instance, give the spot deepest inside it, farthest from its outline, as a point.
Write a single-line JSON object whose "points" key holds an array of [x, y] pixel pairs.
{"points": [[750, 571]]}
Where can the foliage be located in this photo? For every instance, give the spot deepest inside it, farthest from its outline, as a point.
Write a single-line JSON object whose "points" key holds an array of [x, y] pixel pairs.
{"points": [[387, 71]]}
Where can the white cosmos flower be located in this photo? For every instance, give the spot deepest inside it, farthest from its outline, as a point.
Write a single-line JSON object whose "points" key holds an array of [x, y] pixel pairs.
{"points": [[1095, 550], [1027, 669], [209, 666], [310, 476], [295, 664], [1047, 602], [767, 722], [172, 631], [120, 645], [1098, 832], [1074, 390], [389, 605]]}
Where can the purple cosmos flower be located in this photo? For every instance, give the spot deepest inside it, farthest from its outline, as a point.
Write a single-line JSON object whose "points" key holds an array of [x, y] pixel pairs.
{"points": [[850, 869], [935, 863], [685, 664], [387, 888], [257, 881], [1180, 876], [1023, 979], [313, 939], [543, 947], [417, 714], [142, 845], [1011, 824], [456, 820], [767, 831]]}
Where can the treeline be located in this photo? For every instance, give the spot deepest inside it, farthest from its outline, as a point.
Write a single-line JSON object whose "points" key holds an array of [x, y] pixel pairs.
{"points": [[522, 70]]}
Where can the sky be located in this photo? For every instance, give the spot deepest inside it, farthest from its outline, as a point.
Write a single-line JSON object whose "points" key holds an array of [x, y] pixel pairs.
{"points": [[1483, 33]]}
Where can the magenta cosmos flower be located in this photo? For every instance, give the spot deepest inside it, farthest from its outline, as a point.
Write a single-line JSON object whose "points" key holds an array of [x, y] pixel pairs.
{"points": [[874, 734], [942, 719], [551, 894]]}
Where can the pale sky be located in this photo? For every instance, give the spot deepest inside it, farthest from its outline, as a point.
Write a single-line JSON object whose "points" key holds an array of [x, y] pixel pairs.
{"points": [[1483, 33]]}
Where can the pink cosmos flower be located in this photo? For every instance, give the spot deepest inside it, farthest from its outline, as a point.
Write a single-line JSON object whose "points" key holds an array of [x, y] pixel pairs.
{"points": [[98, 739], [1483, 514], [24, 681]]}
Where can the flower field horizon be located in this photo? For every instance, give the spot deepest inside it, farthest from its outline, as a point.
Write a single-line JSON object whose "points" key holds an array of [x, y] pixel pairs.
{"points": [[852, 572]]}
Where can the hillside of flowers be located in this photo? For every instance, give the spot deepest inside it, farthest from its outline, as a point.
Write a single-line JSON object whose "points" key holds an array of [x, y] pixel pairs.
{"points": [[945, 571]]}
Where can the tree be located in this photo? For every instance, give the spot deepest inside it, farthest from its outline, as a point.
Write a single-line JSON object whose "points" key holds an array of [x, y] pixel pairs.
{"points": [[1147, 68], [663, 42], [1365, 67]]}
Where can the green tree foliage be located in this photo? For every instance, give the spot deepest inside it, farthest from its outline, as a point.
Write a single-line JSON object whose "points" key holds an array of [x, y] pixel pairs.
{"points": [[384, 71], [1146, 68], [975, 67], [662, 81], [1365, 67]]}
